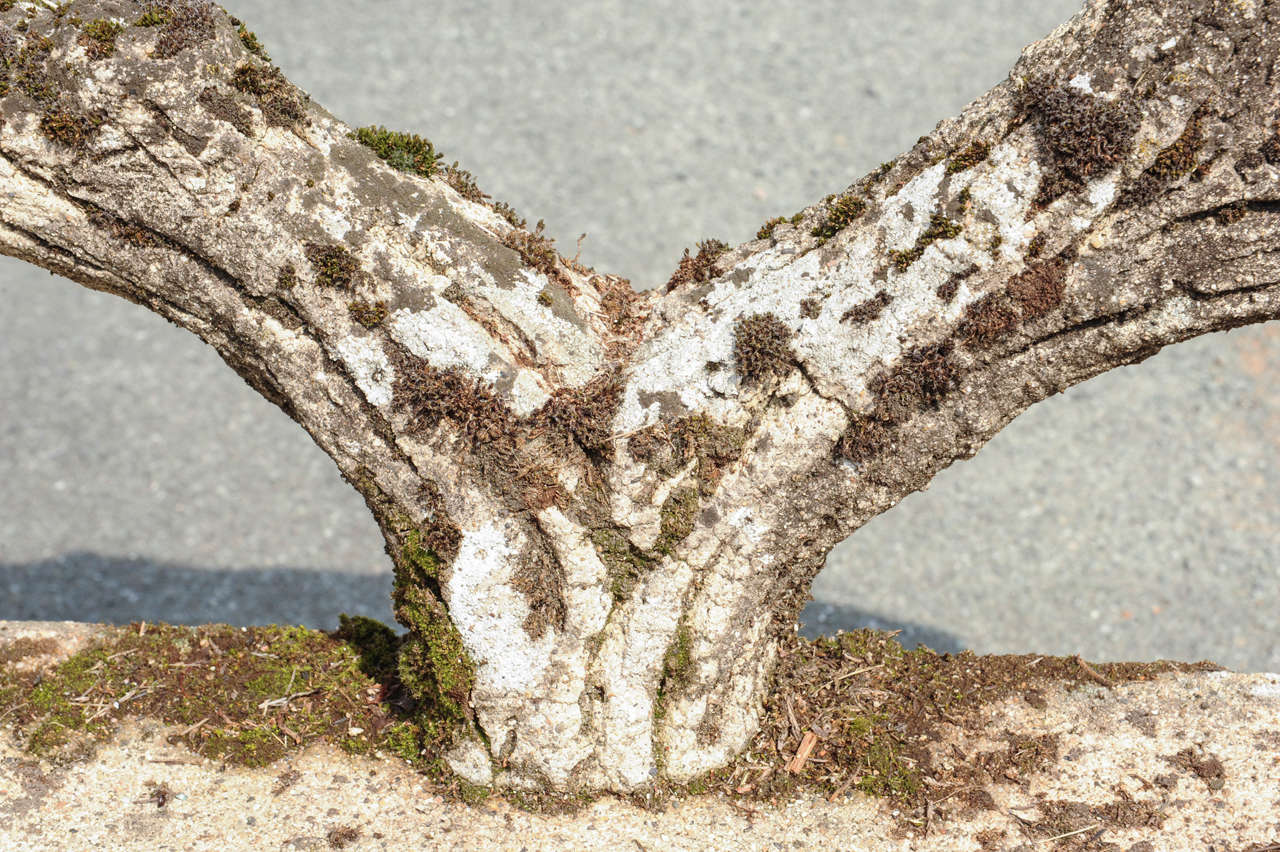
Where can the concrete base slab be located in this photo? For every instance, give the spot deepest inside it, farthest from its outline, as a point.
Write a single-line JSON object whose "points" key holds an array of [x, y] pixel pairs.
{"points": [[1185, 761]]}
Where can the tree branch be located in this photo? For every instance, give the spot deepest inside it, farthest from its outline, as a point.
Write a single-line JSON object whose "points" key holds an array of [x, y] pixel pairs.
{"points": [[604, 505]]}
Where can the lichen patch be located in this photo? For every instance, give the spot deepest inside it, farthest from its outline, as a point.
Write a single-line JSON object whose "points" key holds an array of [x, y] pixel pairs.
{"points": [[370, 368]]}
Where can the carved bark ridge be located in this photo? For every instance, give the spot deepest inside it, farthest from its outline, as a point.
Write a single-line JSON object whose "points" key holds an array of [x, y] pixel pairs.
{"points": [[604, 505]]}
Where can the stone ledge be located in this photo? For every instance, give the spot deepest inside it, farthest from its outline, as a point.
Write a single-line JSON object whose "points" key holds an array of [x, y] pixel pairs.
{"points": [[1184, 761]]}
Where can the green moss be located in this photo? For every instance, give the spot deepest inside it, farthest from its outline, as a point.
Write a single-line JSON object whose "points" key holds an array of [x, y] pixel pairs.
{"points": [[28, 71], [971, 156], [368, 314], [766, 230], [250, 40], [334, 265], [154, 17], [887, 773], [679, 655], [473, 794], [243, 695], [840, 213], [375, 642], [544, 298], [407, 152], [940, 228], [69, 128], [98, 37], [404, 740], [625, 563], [421, 557], [677, 515], [287, 277], [433, 665]]}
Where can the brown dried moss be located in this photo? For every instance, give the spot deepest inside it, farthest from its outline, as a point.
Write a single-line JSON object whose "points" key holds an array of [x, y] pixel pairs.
{"points": [[282, 105], [668, 447], [864, 438], [536, 248], [430, 395], [878, 708], [1080, 135], [586, 413], [1171, 164], [947, 289], [125, 232], [697, 268], [69, 127], [868, 310], [921, 379], [185, 23], [762, 348], [1030, 294], [224, 106], [464, 183], [540, 579]]}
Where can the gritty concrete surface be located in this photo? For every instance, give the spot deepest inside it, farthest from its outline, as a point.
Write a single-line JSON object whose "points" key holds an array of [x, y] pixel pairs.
{"points": [[1181, 762], [1134, 517]]}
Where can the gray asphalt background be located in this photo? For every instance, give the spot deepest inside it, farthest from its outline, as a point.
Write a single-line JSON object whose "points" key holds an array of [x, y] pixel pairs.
{"points": [[1135, 516]]}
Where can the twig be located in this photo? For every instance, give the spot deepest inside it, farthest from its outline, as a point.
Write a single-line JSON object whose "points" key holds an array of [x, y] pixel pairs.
{"points": [[796, 764], [284, 701], [191, 729], [844, 788], [848, 675], [1068, 834], [115, 705], [1092, 672]]}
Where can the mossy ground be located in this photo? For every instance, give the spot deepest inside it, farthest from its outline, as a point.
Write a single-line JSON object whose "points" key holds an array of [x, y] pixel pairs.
{"points": [[246, 696], [250, 696]]}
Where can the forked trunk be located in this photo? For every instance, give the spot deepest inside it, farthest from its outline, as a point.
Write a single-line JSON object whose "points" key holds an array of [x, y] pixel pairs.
{"points": [[605, 505]]}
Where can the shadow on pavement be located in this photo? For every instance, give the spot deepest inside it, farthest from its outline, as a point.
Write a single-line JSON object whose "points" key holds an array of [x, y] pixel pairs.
{"points": [[80, 586], [823, 619]]}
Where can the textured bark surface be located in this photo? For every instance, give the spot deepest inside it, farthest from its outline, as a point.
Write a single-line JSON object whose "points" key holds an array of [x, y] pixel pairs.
{"points": [[604, 505]]}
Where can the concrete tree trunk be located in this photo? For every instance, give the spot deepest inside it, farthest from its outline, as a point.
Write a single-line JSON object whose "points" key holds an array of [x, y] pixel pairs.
{"points": [[604, 505]]}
